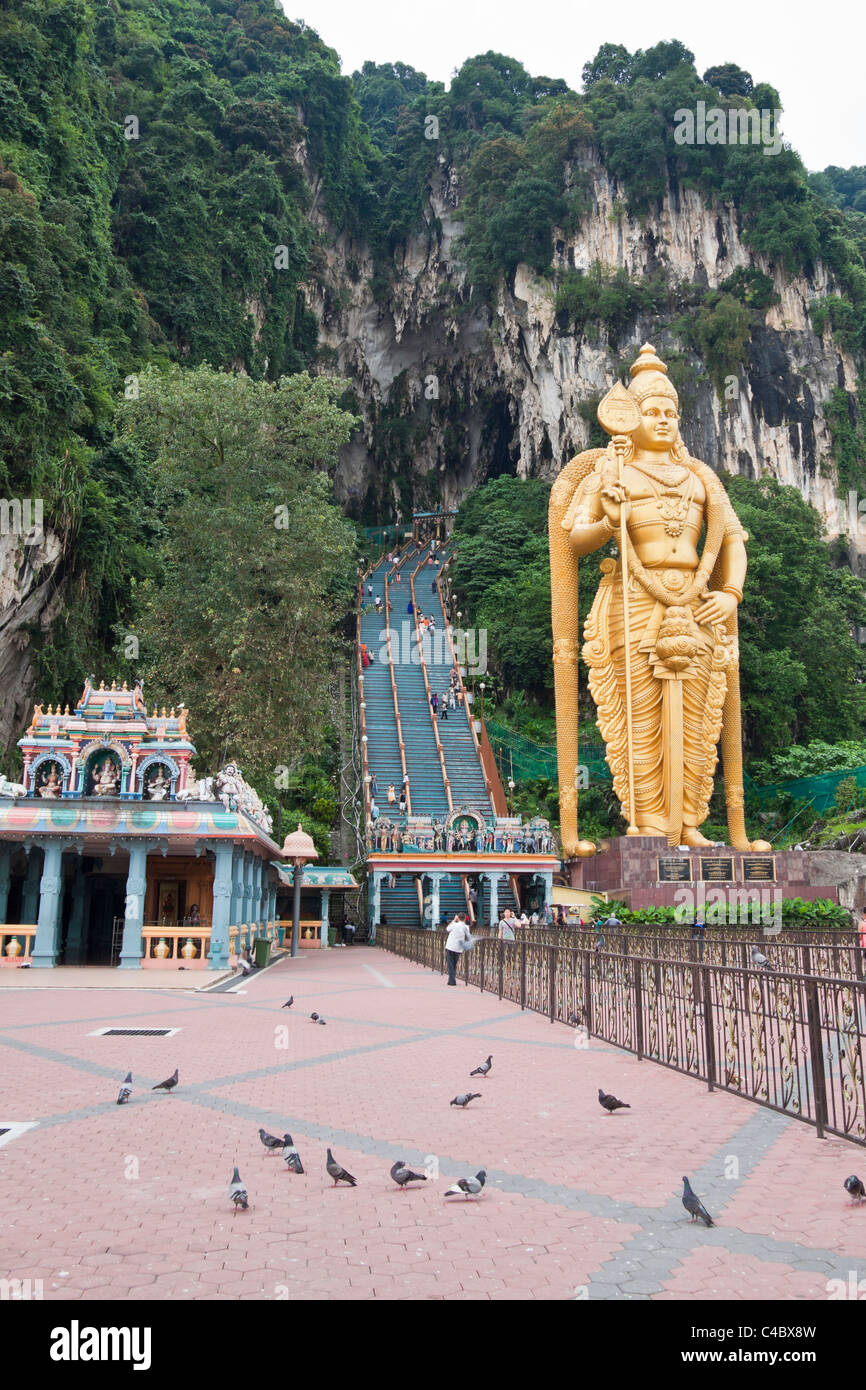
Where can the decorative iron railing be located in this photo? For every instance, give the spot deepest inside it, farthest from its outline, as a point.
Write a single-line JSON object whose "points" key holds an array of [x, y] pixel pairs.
{"points": [[789, 1041]]}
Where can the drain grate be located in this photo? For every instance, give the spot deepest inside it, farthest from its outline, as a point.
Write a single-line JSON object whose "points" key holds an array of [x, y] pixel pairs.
{"points": [[134, 1033]]}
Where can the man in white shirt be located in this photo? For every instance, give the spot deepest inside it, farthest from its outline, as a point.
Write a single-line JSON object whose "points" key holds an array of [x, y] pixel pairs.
{"points": [[457, 941]]}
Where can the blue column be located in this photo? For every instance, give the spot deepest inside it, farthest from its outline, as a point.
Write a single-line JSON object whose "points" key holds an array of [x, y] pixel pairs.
{"points": [[257, 894], [131, 950], [237, 894], [74, 951], [222, 899], [5, 871], [324, 932], [247, 908], [375, 898], [434, 903], [51, 889], [30, 899], [493, 880]]}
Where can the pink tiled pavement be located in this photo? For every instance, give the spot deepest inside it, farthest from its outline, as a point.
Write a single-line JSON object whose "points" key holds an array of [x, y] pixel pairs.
{"points": [[104, 1202]]}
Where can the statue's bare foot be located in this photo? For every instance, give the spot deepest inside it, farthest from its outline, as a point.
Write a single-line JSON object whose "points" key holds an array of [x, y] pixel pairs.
{"points": [[692, 837]]}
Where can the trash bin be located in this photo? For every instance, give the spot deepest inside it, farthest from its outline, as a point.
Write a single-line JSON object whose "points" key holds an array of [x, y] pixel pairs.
{"points": [[262, 951]]}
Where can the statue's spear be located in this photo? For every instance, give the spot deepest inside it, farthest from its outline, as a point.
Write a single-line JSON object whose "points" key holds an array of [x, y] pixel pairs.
{"points": [[619, 415]]}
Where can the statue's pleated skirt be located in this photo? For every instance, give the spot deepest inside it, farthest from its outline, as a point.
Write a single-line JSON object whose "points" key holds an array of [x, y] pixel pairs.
{"points": [[676, 719]]}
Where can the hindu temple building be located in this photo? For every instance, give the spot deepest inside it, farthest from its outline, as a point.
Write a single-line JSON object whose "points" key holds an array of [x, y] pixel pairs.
{"points": [[111, 853]]}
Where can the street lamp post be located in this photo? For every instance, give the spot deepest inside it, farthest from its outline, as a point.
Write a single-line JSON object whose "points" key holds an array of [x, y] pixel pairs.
{"points": [[511, 796], [482, 688], [300, 849]]}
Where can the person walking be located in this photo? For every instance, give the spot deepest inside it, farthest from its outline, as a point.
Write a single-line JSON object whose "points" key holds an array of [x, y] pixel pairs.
{"points": [[434, 702], [507, 923], [458, 940], [443, 711], [374, 786], [402, 802], [392, 795]]}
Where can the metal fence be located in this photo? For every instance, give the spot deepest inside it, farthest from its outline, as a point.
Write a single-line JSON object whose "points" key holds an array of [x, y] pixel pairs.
{"points": [[791, 1042]]}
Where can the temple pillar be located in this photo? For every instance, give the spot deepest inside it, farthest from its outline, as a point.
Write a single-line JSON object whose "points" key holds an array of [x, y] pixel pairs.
{"points": [[434, 901], [132, 950], [74, 952], [50, 893], [257, 894], [30, 895], [547, 883], [5, 874], [493, 881], [376, 897], [222, 899], [246, 904], [237, 894], [324, 929]]}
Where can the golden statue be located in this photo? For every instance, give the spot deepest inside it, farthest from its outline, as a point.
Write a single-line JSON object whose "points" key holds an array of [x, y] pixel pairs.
{"points": [[663, 655]]}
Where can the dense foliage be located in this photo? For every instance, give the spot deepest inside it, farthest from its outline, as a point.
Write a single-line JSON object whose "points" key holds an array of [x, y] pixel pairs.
{"points": [[256, 563]]}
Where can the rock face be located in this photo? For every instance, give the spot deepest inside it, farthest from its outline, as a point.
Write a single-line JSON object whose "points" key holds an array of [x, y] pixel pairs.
{"points": [[454, 395], [30, 599]]}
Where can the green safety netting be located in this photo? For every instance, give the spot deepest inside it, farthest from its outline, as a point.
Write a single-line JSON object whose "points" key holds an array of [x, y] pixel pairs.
{"points": [[519, 757], [820, 790]]}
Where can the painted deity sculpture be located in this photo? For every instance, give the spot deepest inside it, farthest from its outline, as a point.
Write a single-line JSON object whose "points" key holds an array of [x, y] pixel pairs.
{"points": [[663, 665], [106, 780], [51, 785]]}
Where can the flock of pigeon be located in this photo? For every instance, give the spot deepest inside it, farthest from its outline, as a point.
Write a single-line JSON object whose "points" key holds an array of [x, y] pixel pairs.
{"points": [[403, 1175]]}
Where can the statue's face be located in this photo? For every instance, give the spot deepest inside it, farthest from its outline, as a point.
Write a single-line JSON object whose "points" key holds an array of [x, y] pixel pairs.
{"points": [[659, 424]]}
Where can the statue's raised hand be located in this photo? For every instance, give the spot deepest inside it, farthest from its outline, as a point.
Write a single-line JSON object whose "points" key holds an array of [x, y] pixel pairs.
{"points": [[715, 607], [614, 498]]}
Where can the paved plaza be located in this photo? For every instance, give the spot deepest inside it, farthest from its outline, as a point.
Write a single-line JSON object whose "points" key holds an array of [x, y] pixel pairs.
{"points": [[108, 1202]]}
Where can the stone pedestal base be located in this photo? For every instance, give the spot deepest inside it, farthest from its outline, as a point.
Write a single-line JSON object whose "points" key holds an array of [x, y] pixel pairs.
{"points": [[644, 872]]}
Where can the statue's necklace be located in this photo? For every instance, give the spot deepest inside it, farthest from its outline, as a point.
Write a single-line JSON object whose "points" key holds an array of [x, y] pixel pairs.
{"points": [[673, 505]]}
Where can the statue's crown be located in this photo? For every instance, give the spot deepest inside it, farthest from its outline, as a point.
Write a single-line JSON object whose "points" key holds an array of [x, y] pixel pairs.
{"points": [[649, 376]]}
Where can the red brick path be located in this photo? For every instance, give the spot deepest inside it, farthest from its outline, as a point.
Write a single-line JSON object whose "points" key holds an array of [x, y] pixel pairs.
{"points": [[106, 1202]]}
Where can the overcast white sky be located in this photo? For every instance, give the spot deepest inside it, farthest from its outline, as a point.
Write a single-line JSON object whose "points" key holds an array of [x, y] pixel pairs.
{"points": [[813, 54]]}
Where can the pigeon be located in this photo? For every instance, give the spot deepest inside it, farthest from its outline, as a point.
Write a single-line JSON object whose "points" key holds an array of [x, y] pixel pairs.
{"points": [[574, 1018], [463, 1101], [237, 1191], [610, 1103], [270, 1141], [337, 1173], [694, 1205], [483, 1069], [854, 1186], [291, 1155], [403, 1175], [289, 1002], [321, 1022], [468, 1187], [760, 960], [126, 1090], [168, 1085]]}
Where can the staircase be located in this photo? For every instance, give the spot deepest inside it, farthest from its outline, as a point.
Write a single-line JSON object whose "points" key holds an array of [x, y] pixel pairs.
{"points": [[465, 773], [383, 744], [399, 904]]}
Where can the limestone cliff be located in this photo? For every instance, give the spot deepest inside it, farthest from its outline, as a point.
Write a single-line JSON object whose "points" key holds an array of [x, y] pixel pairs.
{"points": [[480, 391]]}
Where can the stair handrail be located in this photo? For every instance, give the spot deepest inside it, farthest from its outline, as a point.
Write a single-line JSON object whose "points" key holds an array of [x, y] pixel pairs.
{"points": [[445, 781], [470, 716]]}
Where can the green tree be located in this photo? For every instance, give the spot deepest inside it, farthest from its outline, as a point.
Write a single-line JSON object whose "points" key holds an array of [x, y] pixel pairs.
{"points": [[801, 669], [256, 562]]}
